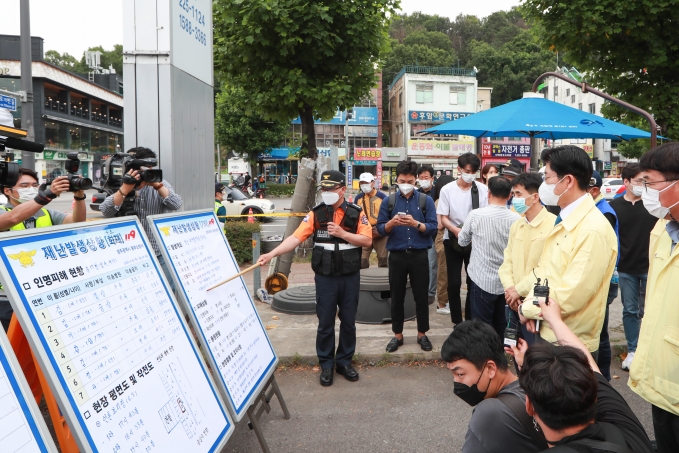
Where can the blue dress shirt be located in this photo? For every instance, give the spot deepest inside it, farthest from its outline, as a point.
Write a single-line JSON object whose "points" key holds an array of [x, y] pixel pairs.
{"points": [[404, 238]]}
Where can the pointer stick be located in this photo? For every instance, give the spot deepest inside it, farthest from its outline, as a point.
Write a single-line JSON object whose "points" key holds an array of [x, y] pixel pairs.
{"points": [[251, 268]]}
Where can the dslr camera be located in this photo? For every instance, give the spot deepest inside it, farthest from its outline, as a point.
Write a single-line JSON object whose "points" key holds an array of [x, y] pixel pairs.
{"points": [[118, 165], [75, 181]]}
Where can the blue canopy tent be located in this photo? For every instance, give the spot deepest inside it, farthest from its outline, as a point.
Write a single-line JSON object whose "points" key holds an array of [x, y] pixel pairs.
{"points": [[536, 117]]}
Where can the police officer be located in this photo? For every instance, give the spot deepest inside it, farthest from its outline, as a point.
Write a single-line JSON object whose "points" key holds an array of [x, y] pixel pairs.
{"points": [[340, 230], [25, 209]]}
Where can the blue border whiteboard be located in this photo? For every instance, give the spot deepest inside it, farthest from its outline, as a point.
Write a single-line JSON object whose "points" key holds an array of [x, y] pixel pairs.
{"points": [[97, 311], [199, 255], [22, 427]]}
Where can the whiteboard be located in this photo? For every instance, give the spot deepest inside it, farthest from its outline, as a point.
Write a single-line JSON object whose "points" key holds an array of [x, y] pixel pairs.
{"points": [[22, 427], [95, 307], [241, 355]]}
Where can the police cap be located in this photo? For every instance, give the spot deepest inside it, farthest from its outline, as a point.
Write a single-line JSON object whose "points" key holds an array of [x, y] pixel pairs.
{"points": [[331, 179]]}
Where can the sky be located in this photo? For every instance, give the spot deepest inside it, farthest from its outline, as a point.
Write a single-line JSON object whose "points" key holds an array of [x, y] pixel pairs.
{"points": [[74, 25]]}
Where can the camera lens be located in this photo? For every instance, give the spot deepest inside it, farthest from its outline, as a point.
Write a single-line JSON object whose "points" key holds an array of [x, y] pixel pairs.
{"points": [[78, 183], [152, 175]]}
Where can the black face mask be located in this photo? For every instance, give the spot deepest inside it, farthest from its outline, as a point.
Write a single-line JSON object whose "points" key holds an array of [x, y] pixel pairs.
{"points": [[470, 395]]}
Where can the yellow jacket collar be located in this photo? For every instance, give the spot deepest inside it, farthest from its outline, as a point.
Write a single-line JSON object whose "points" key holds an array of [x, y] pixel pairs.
{"points": [[578, 214]]}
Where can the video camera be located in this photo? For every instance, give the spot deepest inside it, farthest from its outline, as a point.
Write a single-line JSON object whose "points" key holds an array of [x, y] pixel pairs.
{"points": [[13, 138], [118, 165]]}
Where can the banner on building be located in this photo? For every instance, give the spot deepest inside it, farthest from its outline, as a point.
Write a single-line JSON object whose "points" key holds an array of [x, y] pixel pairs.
{"points": [[444, 148], [505, 150], [419, 116], [589, 149], [361, 154]]}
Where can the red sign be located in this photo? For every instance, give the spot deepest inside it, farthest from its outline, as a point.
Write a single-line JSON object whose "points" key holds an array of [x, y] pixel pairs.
{"points": [[367, 154]]}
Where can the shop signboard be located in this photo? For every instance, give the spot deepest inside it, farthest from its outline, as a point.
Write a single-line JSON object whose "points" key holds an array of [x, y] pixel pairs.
{"points": [[608, 166], [363, 154], [589, 149], [505, 150], [420, 116], [445, 148]]}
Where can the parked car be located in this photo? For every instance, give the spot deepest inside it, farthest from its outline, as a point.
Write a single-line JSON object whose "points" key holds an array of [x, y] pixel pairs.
{"points": [[610, 187], [237, 203], [97, 199]]}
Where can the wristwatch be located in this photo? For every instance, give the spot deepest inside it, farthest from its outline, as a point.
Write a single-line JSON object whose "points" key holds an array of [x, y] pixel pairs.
{"points": [[418, 225]]}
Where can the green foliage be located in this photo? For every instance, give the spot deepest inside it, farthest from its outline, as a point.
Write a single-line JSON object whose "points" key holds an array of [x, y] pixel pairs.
{"points": [[280, 190], [512, 67], [628, 49], [635, 148], [418, 55], [239, 234], [431, 39], [294, 57], [70, 63], [242, 132]]}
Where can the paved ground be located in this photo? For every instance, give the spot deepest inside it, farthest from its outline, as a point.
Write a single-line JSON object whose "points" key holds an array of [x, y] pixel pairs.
{"points": [[392, 408]]}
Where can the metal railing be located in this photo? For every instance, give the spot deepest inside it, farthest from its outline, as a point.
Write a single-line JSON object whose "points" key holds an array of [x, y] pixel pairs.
{"points": [[433, 70]]}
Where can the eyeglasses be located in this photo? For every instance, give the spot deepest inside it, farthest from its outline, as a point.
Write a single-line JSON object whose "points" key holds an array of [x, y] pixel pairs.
{"points": [[646, 183]]}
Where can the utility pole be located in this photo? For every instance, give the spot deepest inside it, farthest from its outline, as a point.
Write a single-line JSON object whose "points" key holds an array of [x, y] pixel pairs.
{"points": [[27, 158]]}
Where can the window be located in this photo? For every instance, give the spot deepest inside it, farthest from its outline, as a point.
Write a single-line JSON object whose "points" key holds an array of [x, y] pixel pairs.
{"points": [[425, 94], [556, 91], [568, 92], [573, 100], [458, 95], [580, 106], [400, 98], [592, 109]]}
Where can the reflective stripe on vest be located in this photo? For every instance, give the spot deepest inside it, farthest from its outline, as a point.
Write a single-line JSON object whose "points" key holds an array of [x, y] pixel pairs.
{"points": [[40, 222], [217, 206]]}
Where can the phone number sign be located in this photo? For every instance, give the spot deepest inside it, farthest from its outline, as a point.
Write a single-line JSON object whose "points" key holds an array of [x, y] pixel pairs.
{"points": [[367, 154]]}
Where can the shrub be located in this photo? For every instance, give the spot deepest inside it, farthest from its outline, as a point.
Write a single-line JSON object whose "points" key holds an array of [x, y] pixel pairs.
{"points": [[280, 190], [239, 235]]}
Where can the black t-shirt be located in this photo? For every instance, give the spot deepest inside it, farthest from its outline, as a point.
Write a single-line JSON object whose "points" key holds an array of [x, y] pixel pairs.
{"points": [[612, 408], [634, 225]]}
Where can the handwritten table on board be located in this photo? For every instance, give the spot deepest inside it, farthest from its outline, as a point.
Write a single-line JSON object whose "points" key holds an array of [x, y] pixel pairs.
{"points": [[100, 318], [226, 317]]}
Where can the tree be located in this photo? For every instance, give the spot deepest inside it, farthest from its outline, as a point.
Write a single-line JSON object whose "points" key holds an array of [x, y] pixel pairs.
{"points": [[417, 55], [432, 39], [628, 49], [68, 62], [242, 132], [64, 61], [294, 57]]}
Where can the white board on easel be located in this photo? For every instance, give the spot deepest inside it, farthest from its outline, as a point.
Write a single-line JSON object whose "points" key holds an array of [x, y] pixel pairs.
{"points": [[227, 321], [96, 310]]}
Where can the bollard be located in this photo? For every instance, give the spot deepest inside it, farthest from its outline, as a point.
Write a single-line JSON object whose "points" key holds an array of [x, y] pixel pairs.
{"points": [[256, 275]]}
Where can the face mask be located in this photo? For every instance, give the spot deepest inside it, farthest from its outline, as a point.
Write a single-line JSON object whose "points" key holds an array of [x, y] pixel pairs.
{"points": [[651, 199], [366, 188], [425, 183], [547, 194], [26, 194], [520, 205], [468, 177], [638, 190], [470, 395], [405, 188], [330, 198]]}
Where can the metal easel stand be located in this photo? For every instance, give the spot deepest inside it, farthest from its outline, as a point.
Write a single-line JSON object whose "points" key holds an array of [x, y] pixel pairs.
{"points": [[254, 413]]}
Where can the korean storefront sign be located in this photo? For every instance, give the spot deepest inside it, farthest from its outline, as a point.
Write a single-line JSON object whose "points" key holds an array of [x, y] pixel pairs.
{"points": [[440, 147], [505, 150]]}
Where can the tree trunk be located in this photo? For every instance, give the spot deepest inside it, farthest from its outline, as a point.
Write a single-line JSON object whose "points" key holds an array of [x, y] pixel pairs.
{"points": [[308, 132]]}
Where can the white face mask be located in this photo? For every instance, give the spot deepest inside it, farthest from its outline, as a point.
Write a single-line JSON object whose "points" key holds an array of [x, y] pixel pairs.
{"points": [[468, 177], [638, 190], [330, 198], [406, 188], [366, 188], [547, 195], [651, 199], [425, 183], [26, 194]]}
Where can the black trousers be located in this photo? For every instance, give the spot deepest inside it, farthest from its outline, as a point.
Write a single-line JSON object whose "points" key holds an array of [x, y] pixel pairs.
{"points": [[666, 428], [333, 293], [5, 313], [415, 265], [454, 261], [489, 308]]}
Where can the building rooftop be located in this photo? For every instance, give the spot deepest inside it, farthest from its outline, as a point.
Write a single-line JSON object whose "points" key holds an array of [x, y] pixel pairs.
{"points": [[433, 70]]}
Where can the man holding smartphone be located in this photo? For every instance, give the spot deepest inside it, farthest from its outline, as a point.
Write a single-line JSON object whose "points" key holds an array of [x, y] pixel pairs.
{"points": [[408, 220]]}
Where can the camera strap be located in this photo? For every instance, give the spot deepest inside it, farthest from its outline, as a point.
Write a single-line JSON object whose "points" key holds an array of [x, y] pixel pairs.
{"points": [[518, 408]]}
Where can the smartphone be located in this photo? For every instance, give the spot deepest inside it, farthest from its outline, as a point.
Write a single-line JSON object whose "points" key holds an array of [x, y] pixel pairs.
{"points": [[401, 214], [512, 329]]}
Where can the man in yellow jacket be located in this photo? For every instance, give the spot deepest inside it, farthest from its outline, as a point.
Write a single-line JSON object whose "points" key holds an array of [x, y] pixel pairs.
{"points": [[526, 240], [580, 252], [655, 370], [370, 199]]}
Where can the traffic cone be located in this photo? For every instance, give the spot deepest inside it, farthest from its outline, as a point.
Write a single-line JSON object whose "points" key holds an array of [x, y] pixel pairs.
{"points": [[251, 218], [260, 195], [351, 200]]}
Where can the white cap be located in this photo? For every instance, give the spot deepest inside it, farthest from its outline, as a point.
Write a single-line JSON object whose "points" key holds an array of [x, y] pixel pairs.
{"points": [[366, 177]]}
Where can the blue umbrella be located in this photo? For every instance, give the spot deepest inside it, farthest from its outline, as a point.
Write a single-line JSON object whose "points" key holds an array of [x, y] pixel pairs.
{"points": [[537, 117]]}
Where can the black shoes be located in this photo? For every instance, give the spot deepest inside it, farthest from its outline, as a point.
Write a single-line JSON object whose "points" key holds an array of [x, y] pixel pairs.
{"points": [[394, 344], [326, 377], [424, 343], [348, 372]]}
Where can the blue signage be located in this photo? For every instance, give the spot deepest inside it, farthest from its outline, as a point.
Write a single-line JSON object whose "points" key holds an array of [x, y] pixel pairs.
{"points": [[365, 116], [10, 103], [418, 116]]}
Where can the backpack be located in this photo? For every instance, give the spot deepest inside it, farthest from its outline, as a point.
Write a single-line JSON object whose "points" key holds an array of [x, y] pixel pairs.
{"points": [[423, 203]]}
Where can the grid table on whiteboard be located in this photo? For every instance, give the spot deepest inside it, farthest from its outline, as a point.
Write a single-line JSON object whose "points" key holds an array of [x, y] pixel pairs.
{"points": [[113, 335]]}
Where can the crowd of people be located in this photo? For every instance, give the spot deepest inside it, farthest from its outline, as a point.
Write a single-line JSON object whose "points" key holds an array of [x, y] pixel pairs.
{"points": [[544, 256]]}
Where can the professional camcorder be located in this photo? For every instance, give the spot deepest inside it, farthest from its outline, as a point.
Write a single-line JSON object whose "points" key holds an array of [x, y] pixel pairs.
{"points": [[118, 165], [13, 138]]}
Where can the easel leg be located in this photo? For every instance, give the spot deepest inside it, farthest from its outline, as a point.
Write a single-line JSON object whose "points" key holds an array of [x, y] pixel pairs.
{"points": [[254, 425], [277, 391]]}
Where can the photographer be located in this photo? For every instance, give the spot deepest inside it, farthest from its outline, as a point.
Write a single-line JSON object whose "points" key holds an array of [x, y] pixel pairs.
{"points": [[149, 199], [26, 209]]}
